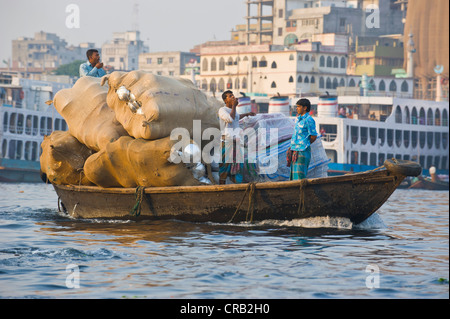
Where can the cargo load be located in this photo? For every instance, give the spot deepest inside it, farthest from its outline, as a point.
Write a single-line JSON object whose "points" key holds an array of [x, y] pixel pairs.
{"points": [[88, 117], [150, 106], [63, 158]]}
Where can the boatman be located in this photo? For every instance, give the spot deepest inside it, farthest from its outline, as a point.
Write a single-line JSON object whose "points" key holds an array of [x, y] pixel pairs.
{"points": [[93, 67], [299, 153], [229, 127]]}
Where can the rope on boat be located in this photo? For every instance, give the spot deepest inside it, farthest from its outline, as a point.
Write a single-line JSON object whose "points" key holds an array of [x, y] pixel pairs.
{"points": [[251, 190], [139, 195], [301, 203]]}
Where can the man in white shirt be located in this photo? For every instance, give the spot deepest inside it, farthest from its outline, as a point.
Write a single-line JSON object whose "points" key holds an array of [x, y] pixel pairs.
{"points": [[229, 126]]}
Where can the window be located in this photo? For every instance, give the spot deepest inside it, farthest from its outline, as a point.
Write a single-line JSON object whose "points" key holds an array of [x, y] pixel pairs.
{"points": [[390, 137], [273, 85], [291, 57], [299, 79], [170, 60], [352, 83], [342, 22], [393, 86], [274, 65], [382, 86], [205, 65], [335, 62], [329, 62], [280, 13], [160, 60], [263, 62], [430, 117], [322, 61], [321, 83], [398, 114], [149, 60], [221, 64], [313, 80], [404, 87], [343, 64], [254, 62], [306, 79], [213, 64], [291, 79]]}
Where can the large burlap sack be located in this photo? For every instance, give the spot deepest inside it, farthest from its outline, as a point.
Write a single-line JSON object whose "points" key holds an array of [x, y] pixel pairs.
{"points": [[166, 103], [88, 116], [130, 162], [63, 158]]}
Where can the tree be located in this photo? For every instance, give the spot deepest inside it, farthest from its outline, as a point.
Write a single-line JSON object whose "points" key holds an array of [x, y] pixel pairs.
{"points": [[71, 69]]}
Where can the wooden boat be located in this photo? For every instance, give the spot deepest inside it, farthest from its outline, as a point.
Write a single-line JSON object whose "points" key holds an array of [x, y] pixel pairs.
{"points": [[354, 196], [424, 183]]}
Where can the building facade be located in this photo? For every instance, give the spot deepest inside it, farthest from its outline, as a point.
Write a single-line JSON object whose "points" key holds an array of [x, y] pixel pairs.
{"points": [[122, 52], [171, 63]]}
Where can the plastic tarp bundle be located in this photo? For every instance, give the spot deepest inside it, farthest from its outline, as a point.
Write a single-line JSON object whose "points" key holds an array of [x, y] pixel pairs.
{"points": [[165, 103], [88, 117], [271, 135], [130, 162], [63, 158]]}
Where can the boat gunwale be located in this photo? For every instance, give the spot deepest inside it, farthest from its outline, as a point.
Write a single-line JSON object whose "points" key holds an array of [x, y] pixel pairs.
{"points": [[381, 175]]}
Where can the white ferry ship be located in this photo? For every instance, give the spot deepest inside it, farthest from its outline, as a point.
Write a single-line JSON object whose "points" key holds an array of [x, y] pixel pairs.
{"points": [[360, 132], [25, 119]]}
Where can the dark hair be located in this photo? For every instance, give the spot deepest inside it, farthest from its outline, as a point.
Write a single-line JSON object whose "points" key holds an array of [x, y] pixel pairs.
{"points": [[304, 102], [224, 95], [90, 52]]}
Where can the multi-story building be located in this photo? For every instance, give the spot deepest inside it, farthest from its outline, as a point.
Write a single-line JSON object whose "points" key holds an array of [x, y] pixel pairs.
{"points": [[172, 63], [122, 53], [45, 52]]}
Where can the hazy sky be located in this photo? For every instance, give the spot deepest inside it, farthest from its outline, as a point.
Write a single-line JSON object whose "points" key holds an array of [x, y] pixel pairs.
{"points": [[164, 24]]}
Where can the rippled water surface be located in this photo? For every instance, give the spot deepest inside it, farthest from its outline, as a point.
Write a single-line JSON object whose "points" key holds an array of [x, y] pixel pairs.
{"points": [[401, 252]]}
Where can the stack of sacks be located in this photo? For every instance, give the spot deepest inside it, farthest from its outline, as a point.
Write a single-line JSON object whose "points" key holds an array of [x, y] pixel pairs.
{"points": [[166, 103], [63, 158], [125, 148]]}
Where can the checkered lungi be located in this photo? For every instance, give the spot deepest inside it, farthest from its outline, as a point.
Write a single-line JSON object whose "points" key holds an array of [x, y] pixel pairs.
{"points": [[228, 166], [299, 163]]}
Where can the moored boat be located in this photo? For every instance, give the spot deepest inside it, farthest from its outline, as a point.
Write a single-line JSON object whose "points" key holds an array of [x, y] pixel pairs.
{"points": [[353, 196]]}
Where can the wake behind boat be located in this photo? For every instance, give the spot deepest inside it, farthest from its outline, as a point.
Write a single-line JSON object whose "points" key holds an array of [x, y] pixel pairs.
{"points": [[353, 196]]}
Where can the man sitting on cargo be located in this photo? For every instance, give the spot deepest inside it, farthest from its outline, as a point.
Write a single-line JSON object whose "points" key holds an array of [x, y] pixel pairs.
{"points": [[299, 154], [229, 126], [93, 67]]}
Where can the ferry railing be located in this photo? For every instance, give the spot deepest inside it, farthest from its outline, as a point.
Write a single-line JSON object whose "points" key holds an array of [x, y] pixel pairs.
{"points": [[329, 137]]}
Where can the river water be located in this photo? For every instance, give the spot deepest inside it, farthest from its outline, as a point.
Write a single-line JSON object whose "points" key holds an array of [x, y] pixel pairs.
{"points": [[400, 252]]}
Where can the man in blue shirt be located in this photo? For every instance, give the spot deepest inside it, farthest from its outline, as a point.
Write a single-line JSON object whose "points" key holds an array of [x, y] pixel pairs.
{"points": [[299, 154], [93, 67]]}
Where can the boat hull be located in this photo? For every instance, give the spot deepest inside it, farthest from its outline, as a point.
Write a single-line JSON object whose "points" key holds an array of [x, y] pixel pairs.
{"points": [[354, 196]]}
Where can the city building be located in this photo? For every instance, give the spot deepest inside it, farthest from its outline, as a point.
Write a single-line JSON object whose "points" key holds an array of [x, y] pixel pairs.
{"points": [[122, 52], [171, 63], [45, 52]]}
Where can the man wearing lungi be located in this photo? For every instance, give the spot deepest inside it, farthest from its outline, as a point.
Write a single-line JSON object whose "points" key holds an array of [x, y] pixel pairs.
{"points": [[299, 154], [229, 165]]}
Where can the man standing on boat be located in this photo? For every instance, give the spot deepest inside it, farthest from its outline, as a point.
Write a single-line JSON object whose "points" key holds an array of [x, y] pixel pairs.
{"points": [[229, 126], [299, 154], [93, 67]]}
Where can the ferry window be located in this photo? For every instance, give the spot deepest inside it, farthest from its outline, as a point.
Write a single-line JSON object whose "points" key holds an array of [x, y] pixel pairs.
{"points": [[422, 138], [364, 158], [406, 138], [27, 150], [393, 86], [444, 118], [332, 155], [422, 116], [444, 162], [422, 161], [437, 162], [20, 122], [437, 140], [12, 123], [407, 115], [414, 139], [398, 156], [363, 136], [430, 139], [19, 149], [444, 140], [35, 125], [28, 125], [381, 159], [398, 114], [354, 134], [329, 132], [347, 133], [414, 116], [381, 136], [354, 157], [404, 87], [63, 125], [390, 156], [390, 137], [373, 135], [437, 118], [373, 159], [430, 117], [398, 137], [57, 124], [382, 86], [406, 157], [34, 156], [429, 161], [42, 126], [49, 125], [5, 122]]}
